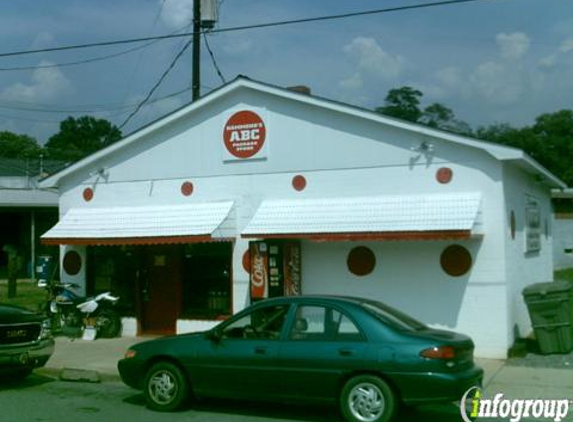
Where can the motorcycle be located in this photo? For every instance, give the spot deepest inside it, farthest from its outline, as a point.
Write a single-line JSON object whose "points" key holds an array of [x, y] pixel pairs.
{"points": [[74, 315]]}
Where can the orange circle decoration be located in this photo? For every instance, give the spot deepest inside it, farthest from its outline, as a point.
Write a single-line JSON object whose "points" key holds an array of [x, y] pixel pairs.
{"points": [[247, 261], [88, 194], [456, 260], [187, 188], [244, 134], [299, 182], [444, 175], [72, 263], [361, 261]]}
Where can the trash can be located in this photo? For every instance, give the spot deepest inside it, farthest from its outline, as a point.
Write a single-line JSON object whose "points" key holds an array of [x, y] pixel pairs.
{"points": [[550, 308]]}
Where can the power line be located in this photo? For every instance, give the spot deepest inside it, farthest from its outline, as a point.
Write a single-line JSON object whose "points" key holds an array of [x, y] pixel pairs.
{"points": [[152, 90], [213, 60], [244, 27]]}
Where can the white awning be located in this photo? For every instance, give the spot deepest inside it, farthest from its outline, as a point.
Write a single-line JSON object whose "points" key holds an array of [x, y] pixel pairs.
{"points": [[431, 216], [139, 225]]}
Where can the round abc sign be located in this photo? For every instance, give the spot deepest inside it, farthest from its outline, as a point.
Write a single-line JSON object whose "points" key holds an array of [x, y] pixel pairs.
{"points": [[244, 134]]}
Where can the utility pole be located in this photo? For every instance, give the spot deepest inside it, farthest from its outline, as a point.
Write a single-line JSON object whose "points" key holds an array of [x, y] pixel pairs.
{"points": [[196, 81]]}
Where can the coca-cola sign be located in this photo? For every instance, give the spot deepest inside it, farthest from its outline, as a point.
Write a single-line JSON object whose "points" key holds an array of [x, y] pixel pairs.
{"points": [[259, 271]]}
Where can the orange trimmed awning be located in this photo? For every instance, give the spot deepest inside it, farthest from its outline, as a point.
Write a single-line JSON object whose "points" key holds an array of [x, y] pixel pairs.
{"points": [[452, 216], [189, 223]]}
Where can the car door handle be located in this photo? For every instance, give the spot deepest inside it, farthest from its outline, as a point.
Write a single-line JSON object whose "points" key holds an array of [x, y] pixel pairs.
{"points": [[260, 350], [346, 352]]}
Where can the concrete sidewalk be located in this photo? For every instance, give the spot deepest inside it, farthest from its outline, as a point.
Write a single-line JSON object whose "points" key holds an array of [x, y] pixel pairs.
{"points": [[101, 356]]}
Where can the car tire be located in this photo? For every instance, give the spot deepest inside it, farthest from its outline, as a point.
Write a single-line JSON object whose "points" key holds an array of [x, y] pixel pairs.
{"points": [[166, 387], [367, 398]]}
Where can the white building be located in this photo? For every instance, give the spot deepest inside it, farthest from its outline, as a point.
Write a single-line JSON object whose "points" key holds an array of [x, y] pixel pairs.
{"points": [[328, 198]]}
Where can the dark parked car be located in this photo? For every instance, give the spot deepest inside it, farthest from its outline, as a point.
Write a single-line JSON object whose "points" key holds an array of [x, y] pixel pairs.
{"points": [[25, 341], [361, 354]]}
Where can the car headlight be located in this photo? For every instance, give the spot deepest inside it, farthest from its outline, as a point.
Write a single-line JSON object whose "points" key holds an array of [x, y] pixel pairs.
{"points": [[46, 331]]}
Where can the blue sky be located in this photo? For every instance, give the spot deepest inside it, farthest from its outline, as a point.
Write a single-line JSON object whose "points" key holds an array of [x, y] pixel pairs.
{"points": [[490, 61]]}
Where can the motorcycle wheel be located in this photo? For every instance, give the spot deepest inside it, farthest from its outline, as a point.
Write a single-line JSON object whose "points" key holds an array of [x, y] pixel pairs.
{"points": [[108, 323]]}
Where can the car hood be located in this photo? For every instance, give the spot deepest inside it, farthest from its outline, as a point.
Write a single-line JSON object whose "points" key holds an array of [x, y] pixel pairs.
{"points": [[11, 314]]}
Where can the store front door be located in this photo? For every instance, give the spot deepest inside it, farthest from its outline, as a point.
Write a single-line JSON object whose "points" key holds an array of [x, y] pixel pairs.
{"points": [[161, 289]]}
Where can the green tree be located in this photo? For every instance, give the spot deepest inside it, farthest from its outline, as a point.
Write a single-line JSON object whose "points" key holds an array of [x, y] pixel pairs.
{"points": [[13, 145], [402, 103], [80, 137]]}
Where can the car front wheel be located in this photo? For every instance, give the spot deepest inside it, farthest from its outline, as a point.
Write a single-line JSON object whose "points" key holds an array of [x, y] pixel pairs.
{"points": [[165, 388], [367, 398]]}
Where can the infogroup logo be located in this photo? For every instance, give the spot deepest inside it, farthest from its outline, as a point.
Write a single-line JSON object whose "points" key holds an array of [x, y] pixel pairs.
{"points": [[474, 405]]}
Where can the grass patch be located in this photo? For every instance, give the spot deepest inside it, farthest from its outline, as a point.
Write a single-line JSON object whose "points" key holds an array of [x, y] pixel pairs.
{"points": [[28, 295], [566, 275]]}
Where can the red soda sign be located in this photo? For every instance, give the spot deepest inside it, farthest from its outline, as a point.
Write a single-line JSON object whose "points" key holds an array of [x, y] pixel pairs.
{"points": [[259, 271], [244, 134]]}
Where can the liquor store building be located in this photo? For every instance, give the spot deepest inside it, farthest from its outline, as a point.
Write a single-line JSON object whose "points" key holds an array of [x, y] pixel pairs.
{"points": [[256, 191]]}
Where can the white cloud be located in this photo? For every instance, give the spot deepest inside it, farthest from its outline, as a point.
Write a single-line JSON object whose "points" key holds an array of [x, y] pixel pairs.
{"points": [[43, 39], [177, 13], [354, 82], [45, 85], [373, 59], [497, 83], [513, 46], [566, 46]]}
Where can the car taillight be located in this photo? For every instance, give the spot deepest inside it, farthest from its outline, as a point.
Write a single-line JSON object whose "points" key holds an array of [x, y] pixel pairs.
{"points": [[442, 352]]}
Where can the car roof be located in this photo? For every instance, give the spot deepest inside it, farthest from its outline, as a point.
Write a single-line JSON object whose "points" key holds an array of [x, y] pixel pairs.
{"points": [[315, 298]]}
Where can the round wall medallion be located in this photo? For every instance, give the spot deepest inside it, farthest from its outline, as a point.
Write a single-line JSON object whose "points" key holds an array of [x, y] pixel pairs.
{"points": [[88, 194], [72, 263], [299, 182], [361, 261], [187, 188], [444, 175], [456, 260], [247, 261], [244, 134]]}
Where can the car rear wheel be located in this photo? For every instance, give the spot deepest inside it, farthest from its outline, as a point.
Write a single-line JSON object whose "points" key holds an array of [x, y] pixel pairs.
{"points": [[367, 398], [166, 387]]}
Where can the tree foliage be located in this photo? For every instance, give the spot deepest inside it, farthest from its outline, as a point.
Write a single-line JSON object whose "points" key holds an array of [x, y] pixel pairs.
{"points": [[80, 137], [402, 103], [13, 145]]}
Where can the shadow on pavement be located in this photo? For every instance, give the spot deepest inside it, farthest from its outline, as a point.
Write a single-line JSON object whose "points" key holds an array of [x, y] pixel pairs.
{"points": [[304, 413], [32, 381]]}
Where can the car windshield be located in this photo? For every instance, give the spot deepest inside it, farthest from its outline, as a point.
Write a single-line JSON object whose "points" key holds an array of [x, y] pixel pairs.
{"points": [[393, 317]]}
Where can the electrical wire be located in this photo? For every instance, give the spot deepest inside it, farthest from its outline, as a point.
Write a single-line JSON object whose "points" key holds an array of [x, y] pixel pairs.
{"points": [[213, 60], [242, 28], [152, 90]]}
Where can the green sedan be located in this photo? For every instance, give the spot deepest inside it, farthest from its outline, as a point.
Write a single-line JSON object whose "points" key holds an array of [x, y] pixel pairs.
{"points": [[362, 355]]}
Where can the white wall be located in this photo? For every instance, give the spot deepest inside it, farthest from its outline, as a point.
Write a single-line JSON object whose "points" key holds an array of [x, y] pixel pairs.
{"points": [[525, 268], [339, 155], [562, 243]]}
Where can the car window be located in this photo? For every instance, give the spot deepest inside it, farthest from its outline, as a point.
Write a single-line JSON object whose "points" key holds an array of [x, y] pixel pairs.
{"points": [[392, 316], [319, 323], [262, 323]]}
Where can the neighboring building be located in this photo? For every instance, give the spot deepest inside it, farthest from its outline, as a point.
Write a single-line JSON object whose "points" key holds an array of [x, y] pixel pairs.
{"points": [[563, 228], [257, 191], [25, 212]]}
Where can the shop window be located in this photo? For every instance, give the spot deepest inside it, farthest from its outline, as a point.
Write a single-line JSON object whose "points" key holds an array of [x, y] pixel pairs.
{"points": [[456, 260], [361, 261], [207, 280], [114, 269]]}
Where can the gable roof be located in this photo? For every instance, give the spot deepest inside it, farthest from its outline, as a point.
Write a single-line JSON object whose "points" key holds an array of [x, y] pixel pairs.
{"points": [[500, 152]]}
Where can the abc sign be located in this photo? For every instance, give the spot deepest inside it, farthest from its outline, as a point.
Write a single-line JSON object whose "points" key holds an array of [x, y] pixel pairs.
{"points": [[244, 134]]}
